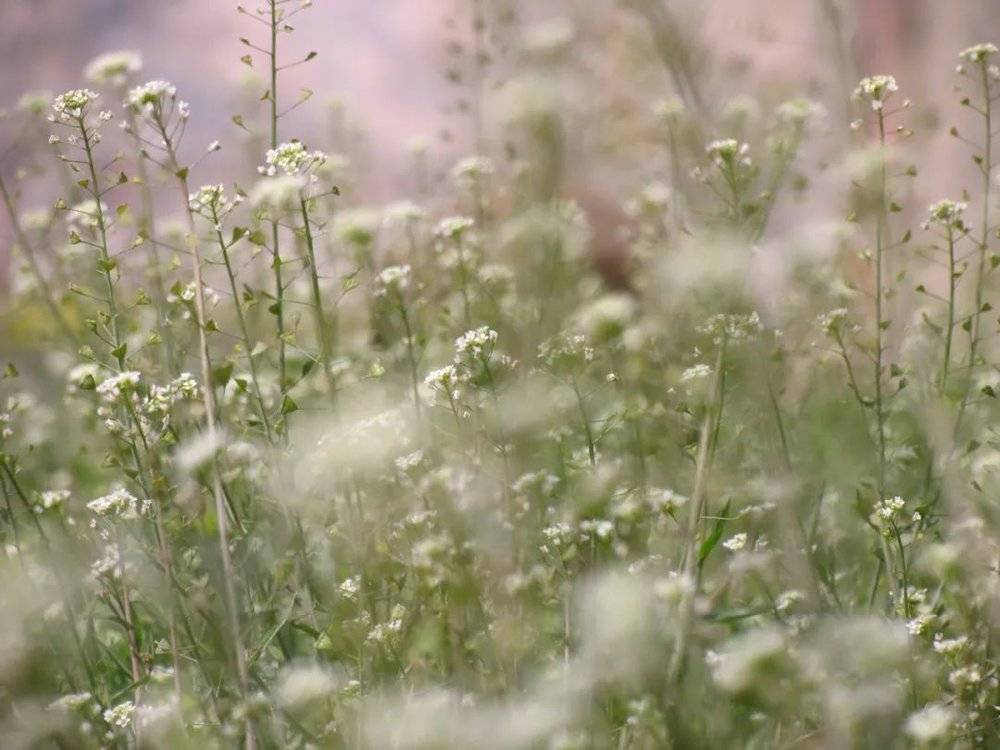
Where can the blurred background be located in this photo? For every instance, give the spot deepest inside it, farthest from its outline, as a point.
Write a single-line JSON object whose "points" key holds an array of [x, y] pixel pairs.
{"points": [[389, 78]]}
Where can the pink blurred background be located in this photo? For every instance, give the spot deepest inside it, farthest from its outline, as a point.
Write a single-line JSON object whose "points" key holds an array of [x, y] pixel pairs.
{"points": [[383, 62]]}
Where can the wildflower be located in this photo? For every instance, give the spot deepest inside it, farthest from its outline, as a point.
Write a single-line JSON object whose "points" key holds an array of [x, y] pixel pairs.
{"points": [[277, 194], [357, 227], [736, 542], [291, 158], [392, 279], [696, 372], [50, 500], [799, 111], [724, 153], [831, 323], [876, 90], [211, 202], [476, 342], [469, 171], [946, 213], [113, 388], [669, 109], [949, 646], [930, 724], [72, 105], [733, 328], [979, 52], [453, 227], [404, 213], [35, 102], [120, 503], [150, 97], [886, 512], [120, 715], [301, 685], [113, 68]]}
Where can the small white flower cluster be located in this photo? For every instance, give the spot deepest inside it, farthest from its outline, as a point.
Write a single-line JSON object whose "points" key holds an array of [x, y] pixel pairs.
{"points": [[445, 381], [403, 213], [120, 504], [72, 105], [149, 98], [876, 90], [211, 202], [291, 158], [453, 227], [50, 500], [732, 327], [470, 171], [832, 322], [946, 213], [277, 193], [696, 372], [887, 510], [5, 429], [736, 542], [669, 109], [113, 389], [162, 397], [392, 279], [565, 350], [476, 343], [979, 53], [121, 715], [114, 68], [728, 152], [949, 646], [799, 111]]}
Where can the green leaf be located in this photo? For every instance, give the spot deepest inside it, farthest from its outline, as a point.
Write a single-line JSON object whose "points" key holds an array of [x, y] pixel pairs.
{"points": [[222, 374], [712, 540], [257, 237], [10, 371], [287, 405]]}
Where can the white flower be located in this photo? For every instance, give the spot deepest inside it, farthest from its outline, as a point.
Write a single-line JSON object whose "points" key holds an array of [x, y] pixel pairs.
{"points": [[453, 227], [876, 90], [947, 213], [299, 686], [113, 388], [470, 170], [292, 158], [120, 715], [277, 193], [931, 723], [696, 372], [476, 342], [120, 503], [392, 278], [949, 646], [150, 97], [113, 68], [736, 542], [73, 104], [978, 52]]}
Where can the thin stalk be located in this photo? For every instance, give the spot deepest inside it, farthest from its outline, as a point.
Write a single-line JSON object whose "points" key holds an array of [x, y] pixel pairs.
{"points": [[36, 270], [319, 316], [279, 289], [95, 191], [208, 398], [244, 332], [987, 168], [949, 331], [713, 416], [411, 357], [880, 245]]}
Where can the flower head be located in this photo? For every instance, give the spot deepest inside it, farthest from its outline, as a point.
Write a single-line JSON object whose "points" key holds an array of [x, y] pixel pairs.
{"points": [[947, 213], [113, 68], [151, 96], [978, 53], [291, 158], [876, 90], [72, 105]]}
